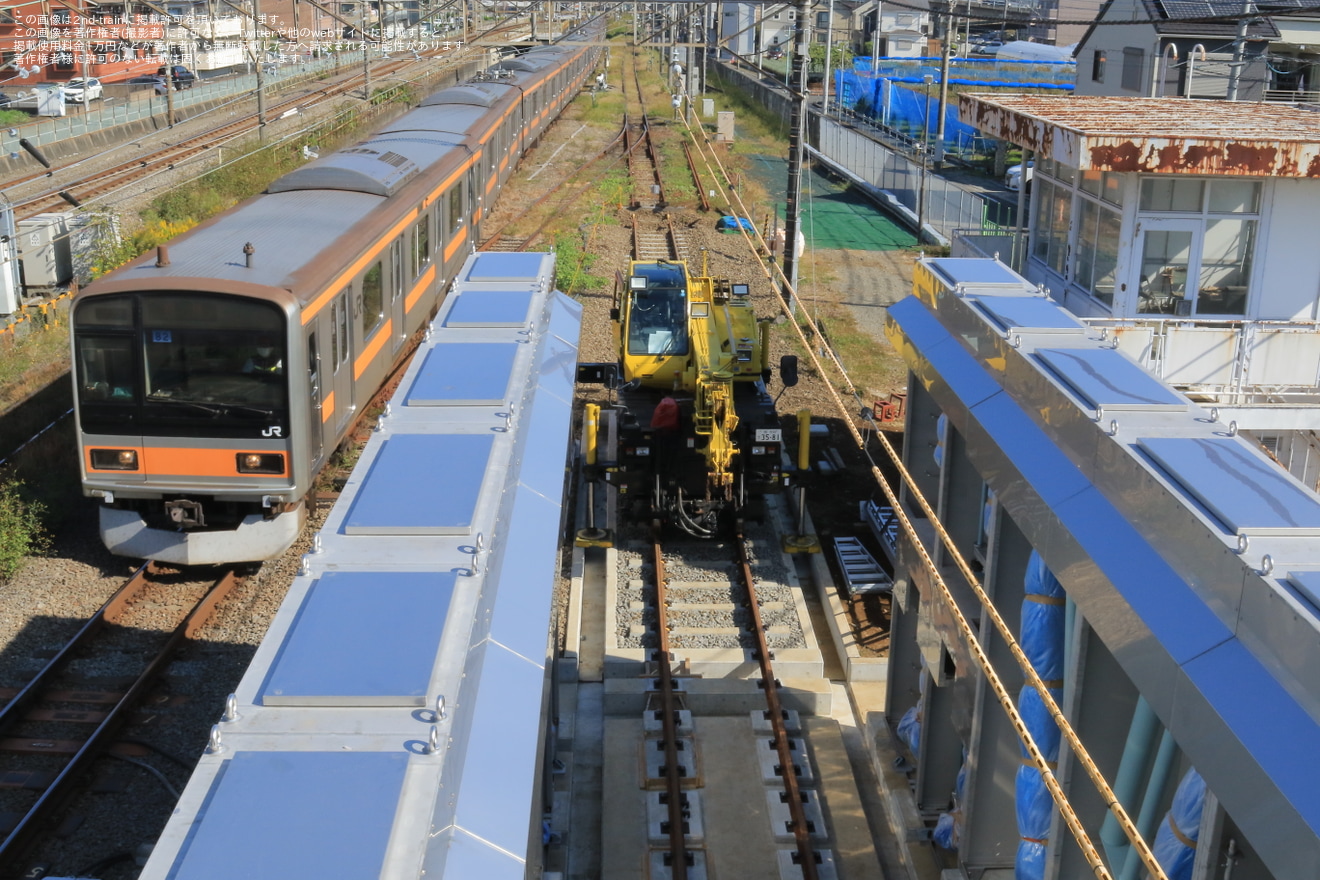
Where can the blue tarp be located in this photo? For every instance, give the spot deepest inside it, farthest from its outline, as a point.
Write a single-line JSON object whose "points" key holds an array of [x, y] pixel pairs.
{"points": [[729, 223], [1173, 854], [1042, 642]]}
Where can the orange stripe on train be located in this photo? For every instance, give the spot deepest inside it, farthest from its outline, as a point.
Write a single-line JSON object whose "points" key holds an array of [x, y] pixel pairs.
{"points": [[166, 461]]}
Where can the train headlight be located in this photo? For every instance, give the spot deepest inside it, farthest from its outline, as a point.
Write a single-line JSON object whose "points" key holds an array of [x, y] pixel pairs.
{"points": [[758, 450], [260, 463], [115, 459]]}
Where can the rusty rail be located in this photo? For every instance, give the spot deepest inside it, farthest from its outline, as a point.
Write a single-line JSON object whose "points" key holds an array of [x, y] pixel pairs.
{"points": [[29, 826], [798, 816], [696, 177], [673, 783]]}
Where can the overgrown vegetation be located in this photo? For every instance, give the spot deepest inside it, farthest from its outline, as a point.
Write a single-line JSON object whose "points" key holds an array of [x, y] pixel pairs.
{"points": [[21, 531], [573, 266]]}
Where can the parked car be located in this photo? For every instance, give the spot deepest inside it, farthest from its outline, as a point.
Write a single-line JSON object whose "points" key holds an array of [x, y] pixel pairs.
{"points": [[6, 102], [774, 53], [183, 77], [157, 81], [1013, 179], [73, 90]]}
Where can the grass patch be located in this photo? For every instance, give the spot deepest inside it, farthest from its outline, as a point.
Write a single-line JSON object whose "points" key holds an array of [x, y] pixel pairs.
{"points": [[573, 266], [22, 533], [28, 363]]}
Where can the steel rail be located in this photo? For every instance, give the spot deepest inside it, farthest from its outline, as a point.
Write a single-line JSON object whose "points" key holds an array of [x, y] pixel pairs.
{"points": [[26, 829], [673, 783], [798, 816], [696, 177]]}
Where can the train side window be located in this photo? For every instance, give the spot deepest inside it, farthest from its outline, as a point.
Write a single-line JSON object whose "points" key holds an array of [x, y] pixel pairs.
{"points": [[339, 328], [396, 268], [456, 207], [421, 246], [372, 298]]}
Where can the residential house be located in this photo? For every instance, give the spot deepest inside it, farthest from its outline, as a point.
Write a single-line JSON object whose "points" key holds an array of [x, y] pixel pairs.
{"points": [[1157, 47]]}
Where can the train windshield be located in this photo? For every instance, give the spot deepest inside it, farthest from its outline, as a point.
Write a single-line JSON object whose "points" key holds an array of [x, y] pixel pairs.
{"points": [[178, 363], [657, 314]]}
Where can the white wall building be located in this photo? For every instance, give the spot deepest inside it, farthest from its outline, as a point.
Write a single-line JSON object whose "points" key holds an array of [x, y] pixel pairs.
{"points": [[1185, 229]]}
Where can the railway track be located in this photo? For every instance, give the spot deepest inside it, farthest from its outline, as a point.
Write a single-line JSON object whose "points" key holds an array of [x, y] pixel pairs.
{"points": [[53, 728], [102, 182], [694, 600], [638, 146], [666, 242]]}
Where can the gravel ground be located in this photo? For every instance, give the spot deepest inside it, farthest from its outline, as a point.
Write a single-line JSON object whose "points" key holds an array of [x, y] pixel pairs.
{"points": [[703, 573]]}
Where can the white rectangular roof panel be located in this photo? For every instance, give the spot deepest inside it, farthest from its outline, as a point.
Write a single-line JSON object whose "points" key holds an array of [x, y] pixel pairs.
{"points": [[954, 271], [1031, 314], [1246, 492], [362, 639], [505, 267], [296, 814], [464, 373], [490, 308], [422, 484], [1102, 377]]}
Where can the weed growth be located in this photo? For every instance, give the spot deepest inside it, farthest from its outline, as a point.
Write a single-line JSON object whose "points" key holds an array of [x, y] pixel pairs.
{"points": [[21, 531]]}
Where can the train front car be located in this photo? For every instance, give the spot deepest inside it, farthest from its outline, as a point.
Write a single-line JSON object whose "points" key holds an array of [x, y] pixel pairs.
{"points": [[185, 419]]}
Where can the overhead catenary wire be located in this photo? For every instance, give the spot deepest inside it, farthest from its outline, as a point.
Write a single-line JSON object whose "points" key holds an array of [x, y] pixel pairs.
{"points": [[972, 637]]}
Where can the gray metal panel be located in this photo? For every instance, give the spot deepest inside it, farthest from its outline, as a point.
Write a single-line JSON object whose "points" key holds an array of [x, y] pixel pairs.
{"points": [[521, 616], [1266, 746], [1246, 492], [1034, 314], [565, 324], [1104, 378], [277, 815], [490, 308], [499, 770], [498, 266], [362, 639], [1307, 585], [422, 484], [954, 271], [470, 373], [466, 857], [924, 332]]}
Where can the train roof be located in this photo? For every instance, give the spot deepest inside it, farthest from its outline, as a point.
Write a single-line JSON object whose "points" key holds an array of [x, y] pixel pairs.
{"points": [[391, 721], [481, 94], [380, 165], [303, 222]]}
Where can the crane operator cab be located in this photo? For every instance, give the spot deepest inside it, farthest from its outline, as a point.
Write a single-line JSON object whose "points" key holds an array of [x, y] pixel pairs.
{"points": [[657, 310]]}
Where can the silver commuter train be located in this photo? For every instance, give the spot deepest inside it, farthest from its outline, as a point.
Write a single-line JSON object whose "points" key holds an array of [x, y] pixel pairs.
{"points": [[213, 381], [392, 723]]}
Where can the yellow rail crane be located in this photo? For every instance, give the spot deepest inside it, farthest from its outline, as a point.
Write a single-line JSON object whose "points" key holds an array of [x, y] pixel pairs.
{"points": [[697, 432]]}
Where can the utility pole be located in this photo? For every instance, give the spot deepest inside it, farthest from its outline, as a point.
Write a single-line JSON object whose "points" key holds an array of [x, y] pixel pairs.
{"points": [[261, 68], [829, 56], [366, 59], [1239, 45], [944, 90], [796, 123]]}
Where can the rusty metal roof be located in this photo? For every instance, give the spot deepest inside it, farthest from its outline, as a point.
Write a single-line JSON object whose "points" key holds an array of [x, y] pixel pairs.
{"points": [[1156, 135]]}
